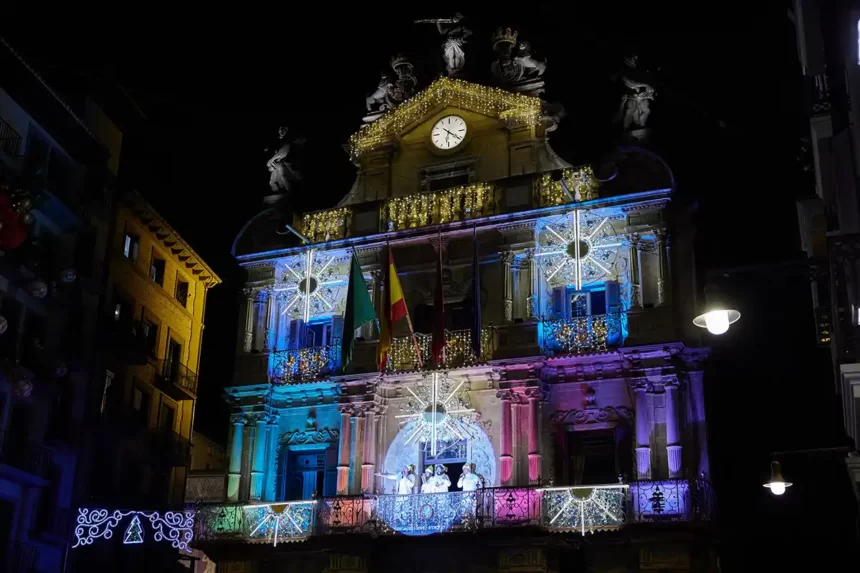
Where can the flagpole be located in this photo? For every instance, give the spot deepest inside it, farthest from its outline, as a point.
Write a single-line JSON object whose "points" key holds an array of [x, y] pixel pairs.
{"points": [[408, 318]]}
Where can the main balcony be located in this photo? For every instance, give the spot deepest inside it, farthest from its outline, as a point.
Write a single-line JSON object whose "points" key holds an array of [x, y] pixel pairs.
{"points": [[577, 509]]}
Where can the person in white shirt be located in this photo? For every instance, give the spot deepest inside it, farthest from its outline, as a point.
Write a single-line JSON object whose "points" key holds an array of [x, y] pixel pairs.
{"points": [[405, 481], [441, 481], [427, 485], [469, 480]]}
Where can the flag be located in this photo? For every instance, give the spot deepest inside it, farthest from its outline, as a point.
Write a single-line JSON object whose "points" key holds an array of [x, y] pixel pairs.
{"points": [[437, 343], [359, 311], [476, 298], [393, 309]]}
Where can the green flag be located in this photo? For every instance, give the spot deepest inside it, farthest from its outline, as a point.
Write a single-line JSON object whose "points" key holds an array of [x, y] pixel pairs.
{"points": [[359, 311]]}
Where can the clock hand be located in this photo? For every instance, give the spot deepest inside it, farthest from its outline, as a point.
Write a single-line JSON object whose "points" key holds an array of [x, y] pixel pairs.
{"points": [[454, 134]]}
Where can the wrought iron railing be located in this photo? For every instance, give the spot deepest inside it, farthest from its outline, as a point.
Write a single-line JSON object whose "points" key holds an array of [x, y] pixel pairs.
{"points": [[304, 364], [10, 140], [30, 457], [583, 333], [205, 487], [671, 500], [327, 225], [177, 374], [580, 509], [456, 204], [458, 350]]}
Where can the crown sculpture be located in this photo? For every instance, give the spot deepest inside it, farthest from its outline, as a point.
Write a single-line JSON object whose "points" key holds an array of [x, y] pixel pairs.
{"points": [[514, 67], [507, 36]]}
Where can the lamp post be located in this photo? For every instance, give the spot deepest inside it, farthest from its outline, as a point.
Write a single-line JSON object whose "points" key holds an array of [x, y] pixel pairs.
{"points": [[777, 484], [718, 315]]}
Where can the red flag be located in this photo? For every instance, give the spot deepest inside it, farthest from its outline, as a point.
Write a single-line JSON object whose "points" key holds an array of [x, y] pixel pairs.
{"points": [[437, 344]]}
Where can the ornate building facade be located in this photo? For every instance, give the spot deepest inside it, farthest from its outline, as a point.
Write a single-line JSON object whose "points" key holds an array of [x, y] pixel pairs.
{"points": [[583, 416]]}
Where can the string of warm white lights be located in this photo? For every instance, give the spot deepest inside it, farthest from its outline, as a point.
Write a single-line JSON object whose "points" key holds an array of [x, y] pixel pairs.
{"points": [[328, 225], [455, 204], [574, 335], [576, 184], [514, 108]]}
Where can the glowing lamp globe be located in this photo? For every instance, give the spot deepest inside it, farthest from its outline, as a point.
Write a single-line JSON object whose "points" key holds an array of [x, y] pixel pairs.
{"points": [[717, 316], [777, 484]]}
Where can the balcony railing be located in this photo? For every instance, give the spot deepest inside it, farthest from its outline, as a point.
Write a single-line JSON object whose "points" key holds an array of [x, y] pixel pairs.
{"points": [[10, 140], [458, 350], [304, 364], [583, 333], [205, 487], [176, 374], [449, 205], [32, 458], [581, 509]]}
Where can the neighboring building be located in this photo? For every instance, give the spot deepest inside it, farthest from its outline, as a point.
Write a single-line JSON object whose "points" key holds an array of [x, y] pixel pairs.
{"points": [[206, 455], [583, 415], [50, 281], [828, 43]]}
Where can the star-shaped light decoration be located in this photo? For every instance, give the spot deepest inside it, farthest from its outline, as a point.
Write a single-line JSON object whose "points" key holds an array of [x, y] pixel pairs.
{"points": [[280, 521], [437, 413], [309, 284], [577, 249]]}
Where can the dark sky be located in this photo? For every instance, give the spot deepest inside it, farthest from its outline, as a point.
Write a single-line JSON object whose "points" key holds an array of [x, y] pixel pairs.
{"points": [[728, 118]]}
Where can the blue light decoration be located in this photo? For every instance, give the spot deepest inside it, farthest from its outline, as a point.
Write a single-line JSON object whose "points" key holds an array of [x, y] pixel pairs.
{"points": [[176, 528], [424, 514], [134, 533]]}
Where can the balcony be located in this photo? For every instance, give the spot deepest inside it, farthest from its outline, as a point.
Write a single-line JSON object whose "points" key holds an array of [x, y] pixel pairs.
{"points": [[458, 351], [31, 458], [577, 509], [447, 206], [581, 334], [206, 487], [10, 140], [304, 364], [175, 379]]}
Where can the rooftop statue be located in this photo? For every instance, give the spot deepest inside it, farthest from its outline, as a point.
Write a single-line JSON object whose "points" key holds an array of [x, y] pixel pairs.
{"points": [[515, 67], [455, 37], [635, 106], [281, 171], [389, 94]]}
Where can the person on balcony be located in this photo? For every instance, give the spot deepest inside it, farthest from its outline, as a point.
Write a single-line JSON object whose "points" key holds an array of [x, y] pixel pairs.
{"points": [[427, 485], [405, 481], [441, 482], [469, 480]]}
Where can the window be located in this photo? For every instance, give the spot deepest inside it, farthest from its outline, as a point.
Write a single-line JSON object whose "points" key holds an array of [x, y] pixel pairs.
{"points": [[150, 336], [131, 247], [181, 293], [156, 270], [140, 403]]}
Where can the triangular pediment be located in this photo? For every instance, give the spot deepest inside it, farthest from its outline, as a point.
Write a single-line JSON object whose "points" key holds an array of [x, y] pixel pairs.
{"points": [[514, 109]]}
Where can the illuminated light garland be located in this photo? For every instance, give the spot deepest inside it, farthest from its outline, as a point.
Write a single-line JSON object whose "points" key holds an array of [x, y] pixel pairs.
{"points": [[514, 109], [581, 183], [301, 365], [582, 334], [458, 350], [455, 204], [577, 249], [175, 527], [584, 509], [309, 284], [279, 522], [328, 225]]}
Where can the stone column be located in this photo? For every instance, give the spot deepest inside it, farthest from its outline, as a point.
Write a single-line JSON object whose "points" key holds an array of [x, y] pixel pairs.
{"points": [[258, 459], [534, 397], [673, 434], [248, 341], [506, 460], [507, 258], [271, 458], [531, 301], [643, 434], [234, 476], [343, 453], [368, 467], [271, 318], [635, 242], [662, 286]]}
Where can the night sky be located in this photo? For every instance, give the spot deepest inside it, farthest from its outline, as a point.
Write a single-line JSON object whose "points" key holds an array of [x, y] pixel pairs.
{"points": [[728, 118]]}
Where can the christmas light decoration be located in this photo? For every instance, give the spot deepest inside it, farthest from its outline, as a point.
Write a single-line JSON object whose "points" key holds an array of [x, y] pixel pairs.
{"points": [[458, 350], [583, 509], [309, 284], [514, 109], [437, 413], [581, 334], [176, 528], [577, 184], [577, 249], [280, 521], [455, 204], [328, 225], [302, 364]]}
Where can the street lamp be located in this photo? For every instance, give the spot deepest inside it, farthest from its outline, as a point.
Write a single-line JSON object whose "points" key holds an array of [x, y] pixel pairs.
{"points": [[777, 484], [717, 316]]}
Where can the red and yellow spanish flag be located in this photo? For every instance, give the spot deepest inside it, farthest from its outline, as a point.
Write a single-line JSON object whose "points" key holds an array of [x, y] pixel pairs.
{"points": [[393, 309]]}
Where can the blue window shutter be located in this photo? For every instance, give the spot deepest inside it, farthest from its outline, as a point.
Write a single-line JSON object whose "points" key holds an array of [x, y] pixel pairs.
{"points": [[559, 296], [298, 334], [613, 297]]}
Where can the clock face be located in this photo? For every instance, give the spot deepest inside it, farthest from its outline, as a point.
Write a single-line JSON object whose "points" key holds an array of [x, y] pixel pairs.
{"points": [[448, 132]]}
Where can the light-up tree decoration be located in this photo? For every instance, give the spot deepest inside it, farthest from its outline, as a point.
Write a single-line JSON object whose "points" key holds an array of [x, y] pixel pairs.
{"points": [[577, 249], [134, 533], [310, 282], [437, 413]]}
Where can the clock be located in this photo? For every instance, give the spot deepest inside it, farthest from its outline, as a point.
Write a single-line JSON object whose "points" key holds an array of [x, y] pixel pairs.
{"points": [[449, 132]]}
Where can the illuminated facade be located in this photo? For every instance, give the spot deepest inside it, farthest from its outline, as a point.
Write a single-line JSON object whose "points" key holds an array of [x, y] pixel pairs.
{"points": [[583, 415]]}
